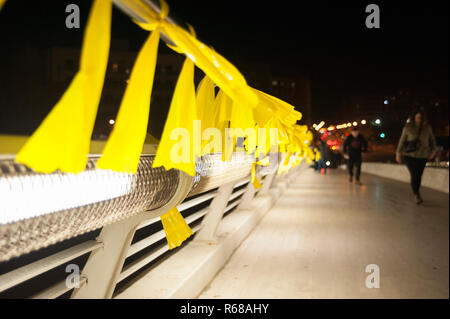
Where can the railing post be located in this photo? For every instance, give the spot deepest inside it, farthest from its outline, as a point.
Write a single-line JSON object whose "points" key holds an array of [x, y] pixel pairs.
{"points": [[216, 209], [104, 266], [266, 184], [247, 197]]}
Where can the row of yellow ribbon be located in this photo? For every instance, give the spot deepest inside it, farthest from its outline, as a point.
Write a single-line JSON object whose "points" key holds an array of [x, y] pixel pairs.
{"points": [[62, 140]]}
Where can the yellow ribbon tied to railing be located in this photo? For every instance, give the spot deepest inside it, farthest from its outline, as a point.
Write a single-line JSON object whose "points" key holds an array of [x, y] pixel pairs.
{"points": [[172, 153], [176, 228], [124, 146], [264, 162], [62, 140], [206, 109]]}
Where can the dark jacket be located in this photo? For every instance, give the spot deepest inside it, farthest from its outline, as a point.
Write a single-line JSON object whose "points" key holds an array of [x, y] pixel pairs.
{"points": [[354, 146]]}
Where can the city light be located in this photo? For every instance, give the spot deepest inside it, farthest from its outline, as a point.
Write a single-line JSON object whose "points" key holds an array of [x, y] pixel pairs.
{"points": [[314, 125], [328, 163], [382, 135], [363, 122], [378, 121], [349, 124], [318, 127], [386, 102], [355, 123], [111, 122], [331, 128]]}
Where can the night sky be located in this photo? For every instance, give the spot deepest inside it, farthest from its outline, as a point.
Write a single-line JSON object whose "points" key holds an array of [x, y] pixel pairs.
{"points": [[328, 41], [325, 40]]}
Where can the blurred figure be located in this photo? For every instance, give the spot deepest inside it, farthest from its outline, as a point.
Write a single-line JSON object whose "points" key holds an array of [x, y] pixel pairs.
{"points": [[315, 164], [354, 145], [321, 164], [417, 145]]}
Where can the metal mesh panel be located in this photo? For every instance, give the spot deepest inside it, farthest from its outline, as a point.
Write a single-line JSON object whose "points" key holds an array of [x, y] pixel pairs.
{"points": [[215, 172], [121, 196], [37, 210]]}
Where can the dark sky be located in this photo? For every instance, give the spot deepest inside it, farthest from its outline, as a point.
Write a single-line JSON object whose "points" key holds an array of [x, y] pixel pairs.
{"points": [[326, 40]]}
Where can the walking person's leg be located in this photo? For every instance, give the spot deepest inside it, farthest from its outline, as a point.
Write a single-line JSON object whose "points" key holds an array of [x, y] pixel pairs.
{"points": [[421, 163], [358, 169], [414, 170], [350, 163]]}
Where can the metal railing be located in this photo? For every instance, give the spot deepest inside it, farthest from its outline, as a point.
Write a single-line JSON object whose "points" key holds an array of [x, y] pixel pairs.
{"points": [[42, 211], [114, 256]]}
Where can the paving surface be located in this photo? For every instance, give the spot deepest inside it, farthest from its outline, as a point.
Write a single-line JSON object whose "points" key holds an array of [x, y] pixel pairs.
{"points": [[319, 237]]}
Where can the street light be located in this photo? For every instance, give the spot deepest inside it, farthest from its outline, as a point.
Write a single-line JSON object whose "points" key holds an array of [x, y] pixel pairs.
{"points": [[377, 121], [363, 122], [355, 123], [318, 127], [111, 122]]}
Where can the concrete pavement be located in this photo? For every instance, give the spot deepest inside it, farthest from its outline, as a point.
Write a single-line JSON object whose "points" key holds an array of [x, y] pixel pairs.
{"points": [[322, 233]]}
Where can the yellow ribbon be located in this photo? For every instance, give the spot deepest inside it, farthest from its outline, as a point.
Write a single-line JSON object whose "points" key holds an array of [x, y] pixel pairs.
{"points": [[62, 140], [175, 227], [264, 162], [124, 146], [172, 153], [206, 107]]}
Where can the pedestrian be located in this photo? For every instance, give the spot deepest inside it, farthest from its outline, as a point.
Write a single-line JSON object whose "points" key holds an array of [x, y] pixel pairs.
{"points": [[417, 145], [354, 145], [321, 164]]}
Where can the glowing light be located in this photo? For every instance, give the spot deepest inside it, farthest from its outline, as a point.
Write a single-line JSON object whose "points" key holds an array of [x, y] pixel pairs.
{"points": [[331, 128], [363, 122], [386, 102], [55, 192], [328, 163], [382, 135], [378, 121], [333, 148], [111, 122], [318, 127], [349, 124], [355, 123], [314, 125]]}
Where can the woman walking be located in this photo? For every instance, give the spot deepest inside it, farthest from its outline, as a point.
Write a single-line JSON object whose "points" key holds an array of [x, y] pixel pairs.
{"points": [[417, 145]]}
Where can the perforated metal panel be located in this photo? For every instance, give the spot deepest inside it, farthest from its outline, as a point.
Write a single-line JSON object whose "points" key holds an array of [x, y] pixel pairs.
{"points": [[215, 172], [55, 213]]}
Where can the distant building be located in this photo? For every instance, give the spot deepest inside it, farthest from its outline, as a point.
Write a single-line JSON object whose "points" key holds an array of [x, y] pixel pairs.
{"points": [[296, 90], [64, 65]]}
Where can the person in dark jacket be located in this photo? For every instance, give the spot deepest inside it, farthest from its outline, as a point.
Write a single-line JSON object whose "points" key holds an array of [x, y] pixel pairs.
{"points": [[417, 145], [354, 145]]}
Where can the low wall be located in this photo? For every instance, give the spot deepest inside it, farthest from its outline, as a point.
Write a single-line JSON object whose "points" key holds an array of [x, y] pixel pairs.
{"points": [[435, 178]]}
